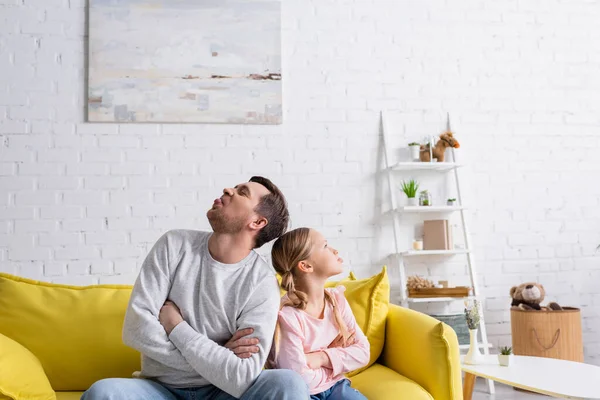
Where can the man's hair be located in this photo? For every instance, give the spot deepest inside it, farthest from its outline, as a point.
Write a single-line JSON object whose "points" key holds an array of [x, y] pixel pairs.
{"points": [[273, 207]]}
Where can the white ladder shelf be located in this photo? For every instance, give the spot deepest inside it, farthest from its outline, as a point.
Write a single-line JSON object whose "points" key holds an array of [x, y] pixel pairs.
{"points": [[401, 253]]}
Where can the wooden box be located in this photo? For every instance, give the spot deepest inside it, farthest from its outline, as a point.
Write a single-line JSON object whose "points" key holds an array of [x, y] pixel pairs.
{"points": [[460, 291]]}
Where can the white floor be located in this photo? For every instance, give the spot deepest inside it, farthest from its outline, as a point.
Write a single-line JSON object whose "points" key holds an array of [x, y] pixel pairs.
{"points": [[503, 392]]}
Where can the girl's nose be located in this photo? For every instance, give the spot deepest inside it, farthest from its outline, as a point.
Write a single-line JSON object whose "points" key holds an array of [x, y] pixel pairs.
{"points": [[334, 251]]}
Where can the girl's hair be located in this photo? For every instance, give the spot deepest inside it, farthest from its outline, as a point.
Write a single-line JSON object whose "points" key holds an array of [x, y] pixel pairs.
{"points": [[288, 250]]}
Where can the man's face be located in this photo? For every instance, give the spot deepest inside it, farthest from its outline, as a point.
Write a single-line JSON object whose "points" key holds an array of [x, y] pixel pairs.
{"points": [[234, 210]]}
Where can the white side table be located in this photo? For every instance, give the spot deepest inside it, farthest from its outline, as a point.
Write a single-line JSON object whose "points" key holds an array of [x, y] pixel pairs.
{"points": [[549, 376]]}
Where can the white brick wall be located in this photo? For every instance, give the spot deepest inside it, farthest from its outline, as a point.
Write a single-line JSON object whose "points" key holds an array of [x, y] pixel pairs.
{"points": [[81, 203]]}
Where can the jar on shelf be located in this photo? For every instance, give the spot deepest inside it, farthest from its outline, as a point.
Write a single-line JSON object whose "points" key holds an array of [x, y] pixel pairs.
{"points": [[425, 198]]}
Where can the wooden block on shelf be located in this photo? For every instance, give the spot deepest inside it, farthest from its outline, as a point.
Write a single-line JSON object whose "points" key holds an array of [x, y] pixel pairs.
{"points": [[459, 291]]}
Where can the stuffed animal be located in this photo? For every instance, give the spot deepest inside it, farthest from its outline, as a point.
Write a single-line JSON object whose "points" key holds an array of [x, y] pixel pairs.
{"points": [[439, 150], [529, 296]]}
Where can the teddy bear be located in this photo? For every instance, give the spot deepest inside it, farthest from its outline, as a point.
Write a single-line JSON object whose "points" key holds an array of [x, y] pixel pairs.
{"points": [[529, 296]]}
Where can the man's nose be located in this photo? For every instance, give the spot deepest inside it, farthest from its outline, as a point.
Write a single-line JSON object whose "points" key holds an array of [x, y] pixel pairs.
{"points": [[228, 191]]}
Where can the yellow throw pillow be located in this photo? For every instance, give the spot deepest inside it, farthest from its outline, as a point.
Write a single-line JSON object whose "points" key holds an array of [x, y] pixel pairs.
{"points": [[369, 299], [21, 374], [74, 331]]}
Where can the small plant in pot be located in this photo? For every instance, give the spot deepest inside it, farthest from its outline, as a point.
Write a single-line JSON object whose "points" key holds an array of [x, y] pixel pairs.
{"points": [[410, 189], [505, 358], [415, 149], [451, 202]]}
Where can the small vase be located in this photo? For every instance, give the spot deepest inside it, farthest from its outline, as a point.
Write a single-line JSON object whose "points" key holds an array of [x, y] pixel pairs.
{"points": [[414, 152], [474, 355], [412, 201]]}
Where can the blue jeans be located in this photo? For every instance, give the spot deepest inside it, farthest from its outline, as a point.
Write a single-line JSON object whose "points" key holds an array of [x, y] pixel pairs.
{"points": [[339, 391], [270, 385]]}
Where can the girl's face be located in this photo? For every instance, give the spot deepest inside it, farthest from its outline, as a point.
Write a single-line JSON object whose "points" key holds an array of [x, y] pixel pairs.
{"points": [[324, 258]]}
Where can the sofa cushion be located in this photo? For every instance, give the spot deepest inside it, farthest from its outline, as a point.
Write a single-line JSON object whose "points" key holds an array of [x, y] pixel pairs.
{"points": [[68, 395], [381, 383], [74, 331], [21, 374], [369, 299]]}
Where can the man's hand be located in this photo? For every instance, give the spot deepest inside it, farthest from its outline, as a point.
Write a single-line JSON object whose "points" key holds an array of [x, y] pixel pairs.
{"points": [[242, 346], [169, 316], [338, 341], [317, 360]]}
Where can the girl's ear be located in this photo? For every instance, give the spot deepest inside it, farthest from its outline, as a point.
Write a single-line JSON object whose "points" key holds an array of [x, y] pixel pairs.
{"points": [[303, 266], [258, 223]]}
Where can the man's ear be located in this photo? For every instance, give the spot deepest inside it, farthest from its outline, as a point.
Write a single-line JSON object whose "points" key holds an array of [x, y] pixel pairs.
{"points": [[258, 223], [303, 266]]}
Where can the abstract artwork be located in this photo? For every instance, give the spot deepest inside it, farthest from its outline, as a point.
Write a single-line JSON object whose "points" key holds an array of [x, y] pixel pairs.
{"points": [[216, 61]]}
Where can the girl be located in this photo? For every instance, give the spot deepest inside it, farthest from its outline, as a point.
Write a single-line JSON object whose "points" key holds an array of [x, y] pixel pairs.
{"points": [[316, 334]]}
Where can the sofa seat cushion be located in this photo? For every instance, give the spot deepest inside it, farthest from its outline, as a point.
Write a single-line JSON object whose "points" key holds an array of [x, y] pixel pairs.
{"points": [[381, 383]]}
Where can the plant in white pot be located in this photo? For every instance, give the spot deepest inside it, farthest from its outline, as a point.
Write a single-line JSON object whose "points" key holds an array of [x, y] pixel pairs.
{"points": [[415, 149], [451, 202], [410, 189], [505, 358]]}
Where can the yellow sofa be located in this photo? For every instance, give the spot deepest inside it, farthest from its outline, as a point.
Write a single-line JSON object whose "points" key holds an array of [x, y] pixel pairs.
{"points": [[56, 340]]}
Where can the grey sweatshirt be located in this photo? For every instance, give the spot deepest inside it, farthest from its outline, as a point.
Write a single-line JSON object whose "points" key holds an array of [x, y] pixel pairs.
{"points": [[215, 300]]}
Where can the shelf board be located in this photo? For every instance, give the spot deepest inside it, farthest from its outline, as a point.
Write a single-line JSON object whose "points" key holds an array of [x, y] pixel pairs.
{"points": [[425, 166], [411, 253], [437, 299], [428, 209]]}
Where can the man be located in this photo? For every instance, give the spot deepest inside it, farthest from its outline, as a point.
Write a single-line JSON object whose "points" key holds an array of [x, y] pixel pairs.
{"points": [[204, 307]]}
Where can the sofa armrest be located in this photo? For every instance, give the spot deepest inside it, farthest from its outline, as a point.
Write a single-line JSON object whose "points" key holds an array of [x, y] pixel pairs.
{"points": [[425, 350]]}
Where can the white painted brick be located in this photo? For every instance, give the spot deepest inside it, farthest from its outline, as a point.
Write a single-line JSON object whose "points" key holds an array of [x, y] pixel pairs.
{"points": [[173, 197], [104, 267], [148, 182], [105, 238], [302, 168], [125, 266], [188, 182], [7, 155], [112, 252], [84, 197], [62, 156], [108, 182], [82, 267], [40, 169], [119, 210], [60, 212], [119, 224], [151, 210], [17, 183], [82, 225], [96, 129], [121, 141], [163, 142], [83, 169], [55, 182], [211, 168], [13, 127], [28, 226], [151, 155], [102, 156], [174, 168], [35, 198], [131, 169], [77, 252], [76, 280], [28, 253], [59, 239], [73, 141], [131, 197], [55, 268], [10, 240], [121, 279], [146, 236]]}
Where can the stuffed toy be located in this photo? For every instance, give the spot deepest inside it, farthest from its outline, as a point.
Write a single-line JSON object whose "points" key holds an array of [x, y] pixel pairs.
{"points": [[529, 296], [446, 140]]}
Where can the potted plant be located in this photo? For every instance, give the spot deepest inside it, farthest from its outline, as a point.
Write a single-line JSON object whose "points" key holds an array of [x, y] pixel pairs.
{"points": [[425, 198], [415, 149], [410, 189], [451, 202], [506, 356]]}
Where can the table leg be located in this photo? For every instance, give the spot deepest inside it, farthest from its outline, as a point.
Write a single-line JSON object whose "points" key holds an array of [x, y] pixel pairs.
{"points": [[468, 386]]}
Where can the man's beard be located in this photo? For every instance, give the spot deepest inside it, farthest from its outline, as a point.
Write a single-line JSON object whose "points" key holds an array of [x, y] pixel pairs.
{"points": [[221, 223]]}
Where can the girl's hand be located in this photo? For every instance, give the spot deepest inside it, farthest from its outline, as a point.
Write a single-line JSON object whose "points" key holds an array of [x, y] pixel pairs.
{"points": [[317, 360], [338, 341]]}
